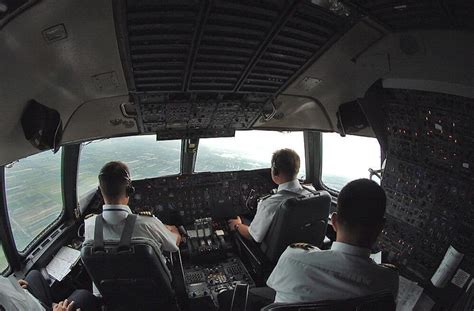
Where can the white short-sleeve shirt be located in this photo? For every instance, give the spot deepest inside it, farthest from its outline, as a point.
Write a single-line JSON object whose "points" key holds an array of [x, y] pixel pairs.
{"points": [[345, 271], [268, 207], [146, 227], [14, 297]]}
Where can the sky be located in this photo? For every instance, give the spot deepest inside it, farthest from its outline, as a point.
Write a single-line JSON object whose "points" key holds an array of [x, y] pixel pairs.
{"points": [[256, 145], [349, 156]]}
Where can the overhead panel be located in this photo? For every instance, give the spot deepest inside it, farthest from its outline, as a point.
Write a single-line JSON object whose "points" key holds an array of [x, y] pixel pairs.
{"points": [[420, 14], [205, 65]]}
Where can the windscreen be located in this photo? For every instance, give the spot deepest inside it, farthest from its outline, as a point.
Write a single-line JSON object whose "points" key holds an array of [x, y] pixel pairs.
{"points": [[145, 157], [248, 150]]}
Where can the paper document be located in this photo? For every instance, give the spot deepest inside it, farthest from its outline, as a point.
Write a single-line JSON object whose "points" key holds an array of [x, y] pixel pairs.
{"points": [[447, 267], [408, 294], [377, 257], [62, 262]]}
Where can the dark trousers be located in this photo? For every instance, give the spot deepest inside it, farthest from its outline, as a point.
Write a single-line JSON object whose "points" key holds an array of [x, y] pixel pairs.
{"points": [[39, 288], [258, 298]]}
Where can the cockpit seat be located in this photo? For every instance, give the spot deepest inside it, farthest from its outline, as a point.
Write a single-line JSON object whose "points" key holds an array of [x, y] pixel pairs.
{"points": [[299, 219], [128, 273]]}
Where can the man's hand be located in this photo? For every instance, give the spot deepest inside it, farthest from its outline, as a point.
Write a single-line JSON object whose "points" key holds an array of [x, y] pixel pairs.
{"points": [[175, 231], [64, 305], [23, 283], [233, 222]]}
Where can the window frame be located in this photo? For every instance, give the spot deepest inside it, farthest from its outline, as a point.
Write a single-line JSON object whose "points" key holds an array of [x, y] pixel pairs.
{"points": [[48, 229], [308, 166], [319, 146], [81, 146]]}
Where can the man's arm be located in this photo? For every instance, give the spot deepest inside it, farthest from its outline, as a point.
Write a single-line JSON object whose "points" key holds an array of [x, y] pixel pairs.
{"points": [[237, 225], [162, 234], [175, 230]]}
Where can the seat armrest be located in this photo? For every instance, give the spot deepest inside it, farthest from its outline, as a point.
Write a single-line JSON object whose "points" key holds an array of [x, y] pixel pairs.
{"points": [[261, 266], [240, 298]]}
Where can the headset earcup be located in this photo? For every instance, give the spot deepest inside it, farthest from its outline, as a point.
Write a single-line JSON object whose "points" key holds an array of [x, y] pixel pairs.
{"points": [[130, 190]]}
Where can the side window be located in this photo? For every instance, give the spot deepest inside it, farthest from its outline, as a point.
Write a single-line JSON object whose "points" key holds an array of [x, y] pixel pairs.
{"points": [[348, 158], [3, 259], [34, 197]]}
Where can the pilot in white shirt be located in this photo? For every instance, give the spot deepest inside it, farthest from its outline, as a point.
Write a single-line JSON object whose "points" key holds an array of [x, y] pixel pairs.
{"points": [[115, 186], [146, 227], [306, 274], [285, 167], [14, 297], [34, 293]]}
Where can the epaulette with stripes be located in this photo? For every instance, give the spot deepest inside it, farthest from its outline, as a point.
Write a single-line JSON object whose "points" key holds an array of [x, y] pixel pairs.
{"points": [[389, 266], [304, 246], [146, 213]]}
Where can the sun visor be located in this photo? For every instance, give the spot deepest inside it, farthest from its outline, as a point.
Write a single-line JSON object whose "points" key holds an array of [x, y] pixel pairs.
{"points": [[350, 118], [42, 126]]}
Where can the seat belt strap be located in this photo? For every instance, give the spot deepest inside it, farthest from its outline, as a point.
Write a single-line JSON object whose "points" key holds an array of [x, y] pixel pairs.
{"points": [[99, 233], [126, 238], [313, 191]]}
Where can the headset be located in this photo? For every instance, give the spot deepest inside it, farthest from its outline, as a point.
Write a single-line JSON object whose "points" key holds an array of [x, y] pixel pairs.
{"points": [[124, 175], [275, 169]]}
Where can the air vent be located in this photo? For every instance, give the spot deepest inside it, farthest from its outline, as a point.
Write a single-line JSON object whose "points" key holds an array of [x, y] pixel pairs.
{"points": [[160, 35], [232, 36], [214, 64], [302, 36]]}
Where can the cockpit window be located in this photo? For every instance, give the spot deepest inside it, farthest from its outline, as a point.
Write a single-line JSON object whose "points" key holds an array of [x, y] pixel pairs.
{"points": [[34, 197], [248, 150], [348, 158], [145, 157]]}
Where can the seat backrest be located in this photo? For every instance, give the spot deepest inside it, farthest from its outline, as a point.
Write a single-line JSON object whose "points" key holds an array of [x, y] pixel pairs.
{"points": [[298, 219], [380, 301], [128, 273]]}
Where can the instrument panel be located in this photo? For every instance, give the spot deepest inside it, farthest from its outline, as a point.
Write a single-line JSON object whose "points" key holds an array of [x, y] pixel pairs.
{"points": [[428, 181], [182, 199]]}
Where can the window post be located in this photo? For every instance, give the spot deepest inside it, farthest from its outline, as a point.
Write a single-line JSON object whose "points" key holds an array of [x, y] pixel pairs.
{"points": [[70, 166], [313, 155], [6, 235]]}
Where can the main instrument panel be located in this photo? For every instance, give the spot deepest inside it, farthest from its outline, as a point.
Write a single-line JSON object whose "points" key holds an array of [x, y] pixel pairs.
{"points": [[183, 199]]}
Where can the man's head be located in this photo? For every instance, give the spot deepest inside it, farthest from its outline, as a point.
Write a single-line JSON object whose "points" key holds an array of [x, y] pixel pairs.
{"points": [[360, 213], [285, 165], [115, 183]]}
